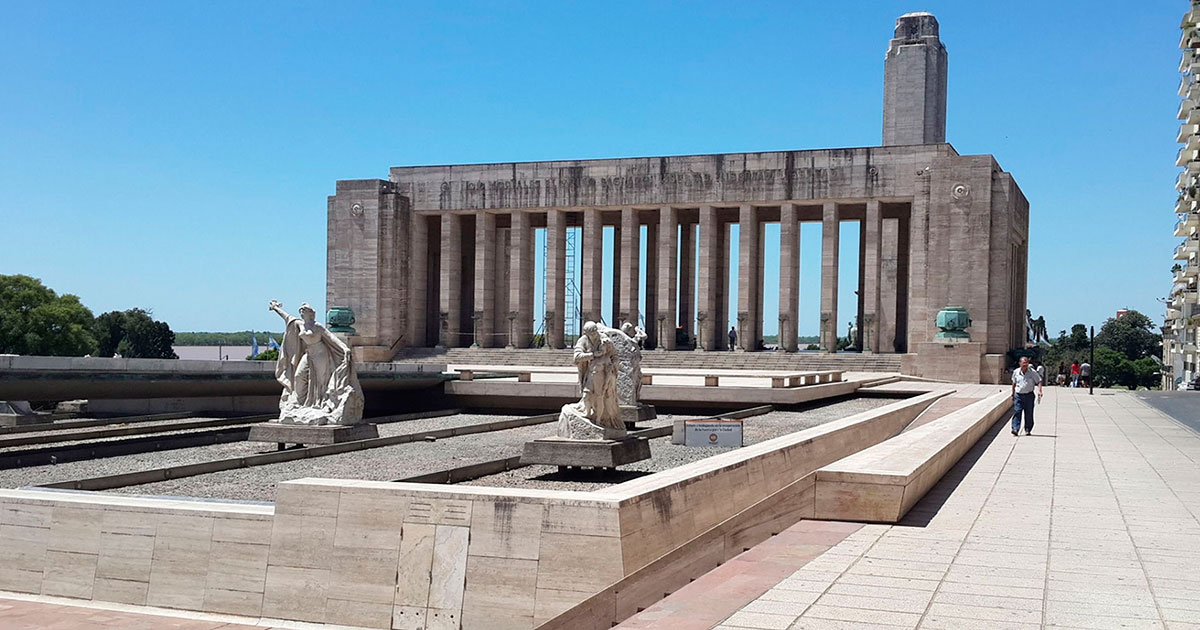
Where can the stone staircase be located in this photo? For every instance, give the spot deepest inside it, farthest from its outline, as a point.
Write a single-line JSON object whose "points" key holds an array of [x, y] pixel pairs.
{"points": [[850, 362]]}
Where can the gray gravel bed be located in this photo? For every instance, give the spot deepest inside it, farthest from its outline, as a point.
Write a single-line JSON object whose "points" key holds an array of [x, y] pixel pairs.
{"points": [[166, 430], [377, 464], [664, 455], [67, 471]]}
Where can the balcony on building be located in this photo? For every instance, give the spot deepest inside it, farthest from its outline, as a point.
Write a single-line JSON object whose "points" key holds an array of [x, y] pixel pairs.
{"points": [[1187, 224]]}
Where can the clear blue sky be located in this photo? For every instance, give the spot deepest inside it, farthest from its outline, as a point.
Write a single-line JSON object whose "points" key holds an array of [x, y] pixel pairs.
{"points": [[177, 156]]}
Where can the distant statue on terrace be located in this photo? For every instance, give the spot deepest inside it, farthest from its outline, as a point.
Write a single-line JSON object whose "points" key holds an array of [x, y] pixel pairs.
{"points": [[317, 373]]}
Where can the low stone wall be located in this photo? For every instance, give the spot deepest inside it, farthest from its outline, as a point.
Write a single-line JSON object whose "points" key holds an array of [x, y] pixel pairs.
{"points": [[194, 555], [401, 555], [882, 483]]}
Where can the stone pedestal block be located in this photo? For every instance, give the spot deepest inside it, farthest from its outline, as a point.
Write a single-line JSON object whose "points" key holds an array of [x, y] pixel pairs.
{"points": [[305, 434], [556, 451], [947, 360], [633, 414]]}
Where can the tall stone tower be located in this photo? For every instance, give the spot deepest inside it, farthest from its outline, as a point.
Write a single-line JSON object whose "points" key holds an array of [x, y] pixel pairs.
{"points": [[914, 83]]}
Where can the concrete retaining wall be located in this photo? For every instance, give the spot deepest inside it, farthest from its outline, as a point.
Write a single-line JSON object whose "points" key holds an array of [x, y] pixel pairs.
{"points": [[401, 555]]}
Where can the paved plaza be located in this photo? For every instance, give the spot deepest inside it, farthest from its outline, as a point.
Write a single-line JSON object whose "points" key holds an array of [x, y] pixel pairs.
{"points": [[1091, 522]]}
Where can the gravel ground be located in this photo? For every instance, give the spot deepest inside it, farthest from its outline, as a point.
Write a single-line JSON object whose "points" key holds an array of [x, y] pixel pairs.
{"points": [[378, 464], [16, 478], [165, 426], [664, 455]]}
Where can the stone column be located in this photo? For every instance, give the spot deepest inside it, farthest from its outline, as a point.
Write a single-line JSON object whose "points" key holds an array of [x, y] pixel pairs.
{"points": [[520, 297], [615, 319], [631, 246], [709, 279], [789, 276], [920, 313], [749, 315], [485, 287], [451, 281], [869, 291], [418, 276], [829, 277], [650, 316], [668, 253], [888, 283], [556, 280], [592, 247], [687, 278]]}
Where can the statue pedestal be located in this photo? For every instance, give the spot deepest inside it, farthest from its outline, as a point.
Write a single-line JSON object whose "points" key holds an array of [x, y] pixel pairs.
{"points": [[556, 451], [632, 414], [307, 434]]}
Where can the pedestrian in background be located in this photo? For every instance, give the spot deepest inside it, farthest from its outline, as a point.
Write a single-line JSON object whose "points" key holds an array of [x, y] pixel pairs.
{"points": [[1024, 380], [732, 338], [1075, 374]]}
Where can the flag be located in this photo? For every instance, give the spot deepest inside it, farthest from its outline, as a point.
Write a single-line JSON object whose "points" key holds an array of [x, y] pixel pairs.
{"points": [[253, 345], [272, 344]]}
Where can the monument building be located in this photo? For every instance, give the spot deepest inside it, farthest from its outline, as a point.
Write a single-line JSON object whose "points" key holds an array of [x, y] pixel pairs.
{"points": [[445, 255]]}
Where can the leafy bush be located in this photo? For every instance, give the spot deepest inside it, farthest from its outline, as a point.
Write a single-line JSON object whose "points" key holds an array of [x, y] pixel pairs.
{"points": [[269, 355]]}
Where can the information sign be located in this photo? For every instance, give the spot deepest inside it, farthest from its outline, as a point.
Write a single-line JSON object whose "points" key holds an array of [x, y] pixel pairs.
{"points": [[712, 433]]}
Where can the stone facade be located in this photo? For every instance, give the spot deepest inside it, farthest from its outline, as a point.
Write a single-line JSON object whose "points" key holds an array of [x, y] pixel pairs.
{"points": [[937, 229]]}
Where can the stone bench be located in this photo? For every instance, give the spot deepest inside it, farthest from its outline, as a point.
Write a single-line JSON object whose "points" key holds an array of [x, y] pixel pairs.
{"points": [[881, 483], [524, 373], [712, 378]]}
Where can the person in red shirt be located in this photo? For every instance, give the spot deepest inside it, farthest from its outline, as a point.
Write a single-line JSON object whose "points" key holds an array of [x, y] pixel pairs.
{"points": [[1075, 374]]}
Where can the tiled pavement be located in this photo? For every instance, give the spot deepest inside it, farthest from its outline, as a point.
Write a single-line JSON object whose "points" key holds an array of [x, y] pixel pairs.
{"points": [[1092, 522]]}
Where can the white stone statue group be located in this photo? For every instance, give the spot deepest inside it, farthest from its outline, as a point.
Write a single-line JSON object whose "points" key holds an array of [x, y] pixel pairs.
{"points": [[609, 363], [317, 373]]}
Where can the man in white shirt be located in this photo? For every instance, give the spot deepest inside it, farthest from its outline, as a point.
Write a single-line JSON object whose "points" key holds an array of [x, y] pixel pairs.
{"points": [[1024, 379]]}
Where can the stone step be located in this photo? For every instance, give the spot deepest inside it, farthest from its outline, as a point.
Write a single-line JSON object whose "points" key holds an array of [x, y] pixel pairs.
{"points": [[680, 359]]}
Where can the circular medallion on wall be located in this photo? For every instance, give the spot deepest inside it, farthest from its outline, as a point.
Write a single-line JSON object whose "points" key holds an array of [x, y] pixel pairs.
{"points": [[961, 191], [356, 210]]}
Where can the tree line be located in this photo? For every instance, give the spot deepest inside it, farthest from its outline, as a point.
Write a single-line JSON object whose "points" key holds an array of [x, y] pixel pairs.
{"points": [[34, 320], [1128, 352], [241, 338]]}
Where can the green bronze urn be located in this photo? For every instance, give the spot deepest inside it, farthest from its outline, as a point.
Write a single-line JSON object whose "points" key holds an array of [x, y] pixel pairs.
{"points": [[953, 323], [340, 319]]}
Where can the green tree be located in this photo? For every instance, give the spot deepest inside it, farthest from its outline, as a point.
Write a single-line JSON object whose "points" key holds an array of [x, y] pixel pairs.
{"points": [[109, 330], [1132, 335], [137, 335], [269, 355], [1112, 368], [1147, 373], [1079, 338], [34, 320]]}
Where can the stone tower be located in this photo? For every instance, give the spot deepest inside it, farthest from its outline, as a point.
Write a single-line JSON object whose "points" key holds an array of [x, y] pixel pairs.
{"points": [[914, 83]]}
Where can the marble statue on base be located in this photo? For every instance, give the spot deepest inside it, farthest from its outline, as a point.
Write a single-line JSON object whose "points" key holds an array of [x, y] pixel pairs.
{"points": [[317, 373], [597, 415], [628, 342]]}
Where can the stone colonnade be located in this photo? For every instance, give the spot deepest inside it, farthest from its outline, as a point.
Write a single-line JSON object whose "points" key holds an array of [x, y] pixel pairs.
{"points": [[473, 273]]}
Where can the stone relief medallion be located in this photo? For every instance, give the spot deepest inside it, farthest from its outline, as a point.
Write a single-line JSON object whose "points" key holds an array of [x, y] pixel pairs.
{"points": [[961, 191], [356, 210]]}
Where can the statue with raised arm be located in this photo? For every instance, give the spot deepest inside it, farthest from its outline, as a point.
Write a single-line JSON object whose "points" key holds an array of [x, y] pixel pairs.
{"points": [[317, 373], [597, 415]]}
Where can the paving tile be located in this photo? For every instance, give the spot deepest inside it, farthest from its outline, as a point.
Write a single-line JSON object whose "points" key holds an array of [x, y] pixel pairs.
{"points": [[758, 620]]}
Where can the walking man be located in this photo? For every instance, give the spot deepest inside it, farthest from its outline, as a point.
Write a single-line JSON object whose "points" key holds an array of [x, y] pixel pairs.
{"points": [[732, 338], [1085, 374], [1024, 379]]}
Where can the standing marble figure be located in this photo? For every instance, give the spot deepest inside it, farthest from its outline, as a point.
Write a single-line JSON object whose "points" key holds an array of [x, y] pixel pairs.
{"points": [[597, 415], [317, 373]]}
